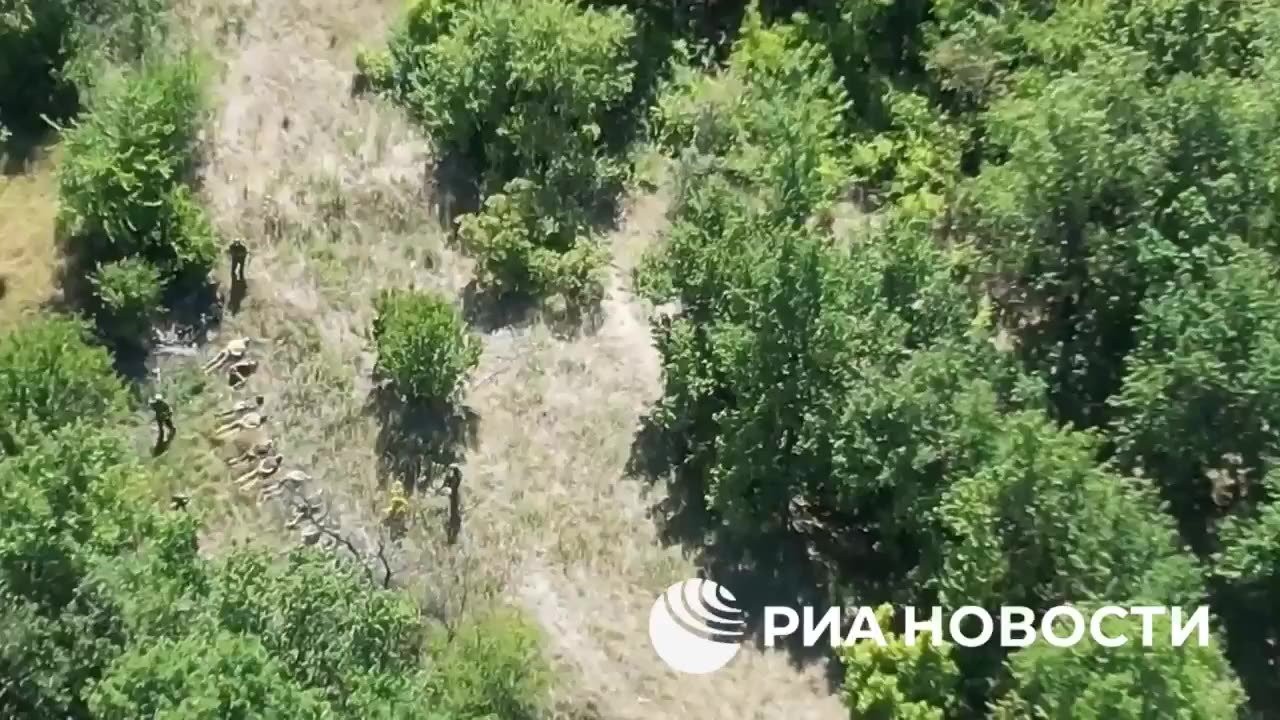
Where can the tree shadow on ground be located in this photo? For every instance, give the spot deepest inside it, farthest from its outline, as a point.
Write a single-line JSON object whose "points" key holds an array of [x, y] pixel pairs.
{"points": [[1253, 639], [188, 315], [416, 441], [769, 568], [455, 183], [239, 290], [488, 309], [189, 307], [23, 149]]}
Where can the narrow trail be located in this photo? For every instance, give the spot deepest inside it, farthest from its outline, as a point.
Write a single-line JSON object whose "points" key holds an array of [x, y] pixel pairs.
{"points": [[329, 191]]}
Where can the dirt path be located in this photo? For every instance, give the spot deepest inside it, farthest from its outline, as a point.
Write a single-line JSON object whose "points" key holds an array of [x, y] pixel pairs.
{"points": [[329, 191]]}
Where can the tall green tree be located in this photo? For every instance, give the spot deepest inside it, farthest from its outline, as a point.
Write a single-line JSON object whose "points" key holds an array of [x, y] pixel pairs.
{"points": [[50, 377]]}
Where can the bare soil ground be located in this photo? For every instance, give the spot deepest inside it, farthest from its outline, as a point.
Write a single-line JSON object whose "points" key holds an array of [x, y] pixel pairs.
{"points": [[332, 194]]}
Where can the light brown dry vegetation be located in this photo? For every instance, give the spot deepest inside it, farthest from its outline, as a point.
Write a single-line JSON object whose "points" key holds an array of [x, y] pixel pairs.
{"points": [[28, 251], [330, 192]]}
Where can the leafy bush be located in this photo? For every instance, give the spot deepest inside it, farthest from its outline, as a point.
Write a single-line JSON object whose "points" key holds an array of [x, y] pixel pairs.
{"points": [[899, 681], [52, 492], [374, 69], [1130, 682], [202, 676], [50, 377], [772, 120], [1200, 398], [492, 668], [304, 612], [424, 348], [1039, 521], [1250, 554], [129, 291], [528, 93], [520, 249], [523, 88], [126, 161]]}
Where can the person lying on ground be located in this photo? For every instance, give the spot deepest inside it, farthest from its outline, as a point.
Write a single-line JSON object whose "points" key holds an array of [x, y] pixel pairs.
{"points": [[255, 452], [264, 469], [292, 483], [241, 407], [248, 421], [230, 353], [240, 371]]}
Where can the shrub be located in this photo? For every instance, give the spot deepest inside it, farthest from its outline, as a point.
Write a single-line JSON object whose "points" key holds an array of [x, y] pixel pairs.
{"points": [[899, 681], [530, 93], [772, 120], [374, 69], [1129, 682], [492, 668], [129, 291], [122, 181], [50, 376], [521, 249], [523, 88], [203, 676], [424, 349]]}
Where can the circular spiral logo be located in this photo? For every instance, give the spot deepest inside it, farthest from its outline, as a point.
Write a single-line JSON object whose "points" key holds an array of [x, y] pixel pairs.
{"points": [[694, 628]]}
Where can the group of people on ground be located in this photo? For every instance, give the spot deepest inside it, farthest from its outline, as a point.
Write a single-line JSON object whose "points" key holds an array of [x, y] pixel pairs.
{"points": [[262, 456], [244, 416]]}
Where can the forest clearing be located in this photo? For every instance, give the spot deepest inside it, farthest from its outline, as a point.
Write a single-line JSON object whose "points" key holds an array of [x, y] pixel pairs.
{"points": [[548, 305]]}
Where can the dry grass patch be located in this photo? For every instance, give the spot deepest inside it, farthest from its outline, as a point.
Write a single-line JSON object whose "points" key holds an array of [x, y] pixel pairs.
{"points": [[29, 257]]}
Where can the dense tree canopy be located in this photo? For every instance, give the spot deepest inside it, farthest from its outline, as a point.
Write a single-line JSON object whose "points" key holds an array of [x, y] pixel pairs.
{"points": [[1041, 374]]}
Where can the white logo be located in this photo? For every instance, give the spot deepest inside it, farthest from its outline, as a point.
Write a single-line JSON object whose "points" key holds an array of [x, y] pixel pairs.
{"points": [[693, 627]]}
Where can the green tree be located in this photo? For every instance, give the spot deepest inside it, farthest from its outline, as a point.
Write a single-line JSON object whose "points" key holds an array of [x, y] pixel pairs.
{"points": [[1198, 410], [50, 377], [522, 249], [67, 499], [1039, 523], [129, 292], [523, 88], [122, 181], [899, 681], [530, 96], [771, 121], [1250, 555], [492, 668], [1089, 681], [221, 675]]}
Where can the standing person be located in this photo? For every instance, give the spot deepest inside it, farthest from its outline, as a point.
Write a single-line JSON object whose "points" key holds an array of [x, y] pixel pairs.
{"points": [[164, 420], [239, 256], [454, 482], [396, 513]]}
